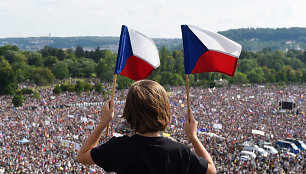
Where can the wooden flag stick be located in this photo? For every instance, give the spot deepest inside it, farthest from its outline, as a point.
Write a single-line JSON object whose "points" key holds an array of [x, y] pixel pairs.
{"points": [[187, 91], [112, 98]]}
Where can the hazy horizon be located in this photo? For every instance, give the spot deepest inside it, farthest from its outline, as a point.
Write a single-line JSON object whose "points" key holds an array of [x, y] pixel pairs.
{"points": [[154, 18], [119, 35]]}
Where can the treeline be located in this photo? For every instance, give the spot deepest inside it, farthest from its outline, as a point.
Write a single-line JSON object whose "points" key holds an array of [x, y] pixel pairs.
{"points": [[267, 34], [256, 39], [44, 66], [251, 39]]}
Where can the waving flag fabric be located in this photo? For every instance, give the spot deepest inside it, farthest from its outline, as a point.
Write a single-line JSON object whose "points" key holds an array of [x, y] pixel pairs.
{"points": [[137, 55], [207, 51]]}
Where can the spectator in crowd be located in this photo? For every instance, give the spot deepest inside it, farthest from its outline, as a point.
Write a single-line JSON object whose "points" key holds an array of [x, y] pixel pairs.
{"points": [[57, 125]]}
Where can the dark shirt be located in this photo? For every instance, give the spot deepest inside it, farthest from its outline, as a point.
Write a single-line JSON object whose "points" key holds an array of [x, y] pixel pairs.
{"points": [[147, 155]]}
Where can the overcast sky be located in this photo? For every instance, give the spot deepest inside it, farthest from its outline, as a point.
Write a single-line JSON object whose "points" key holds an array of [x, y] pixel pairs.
{"points": [[154, 18]]}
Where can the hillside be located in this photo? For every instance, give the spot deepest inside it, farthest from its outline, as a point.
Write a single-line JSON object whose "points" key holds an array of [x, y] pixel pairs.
{"points": [[87, 42], [252, 39], [255, 39]]}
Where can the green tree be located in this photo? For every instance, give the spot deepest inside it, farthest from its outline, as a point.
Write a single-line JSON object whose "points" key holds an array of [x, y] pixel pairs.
{"points": [[240, 78], [6, 77], [26, 91], [60, 70], [277, 65], [87, 86], [290, 73], [15, 56], [267, 50], [50, 61], [37, 95], [281, 76], [269, 74], [215, 76], [294, 53], [98, 54], [157, 78], [79, 52], [70, 51], [295, 63], [169, 64], [98, 87], [35, 58], [304, 75], [245, 55], [57, 89], [22, 71], [61, 55], [79, 88], [303, 58], [178, 57], [17, 100], [212, 84], [256, 75], [88, 67], [42, 76], [164, 53], [6, 48], [264, 59], [70, 54], [18, 92], [49, 51], [165, 76], [246, 65], [74, 67], [299, 75], [105, 94], [123, 82], [106, 66], [8, 89], [67, 87], [175, 79], [202, 83]]}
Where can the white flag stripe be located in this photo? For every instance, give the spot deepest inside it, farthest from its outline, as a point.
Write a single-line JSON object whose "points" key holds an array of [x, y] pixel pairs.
{"points": [[216, 42], [144, 48]]}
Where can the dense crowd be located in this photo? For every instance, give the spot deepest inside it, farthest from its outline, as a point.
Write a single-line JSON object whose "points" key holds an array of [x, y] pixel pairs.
{"points": [[57, 125]]}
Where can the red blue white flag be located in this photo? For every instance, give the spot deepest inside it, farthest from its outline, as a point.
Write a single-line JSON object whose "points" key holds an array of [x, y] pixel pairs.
{"points": [[137, 55], [207, 51]]}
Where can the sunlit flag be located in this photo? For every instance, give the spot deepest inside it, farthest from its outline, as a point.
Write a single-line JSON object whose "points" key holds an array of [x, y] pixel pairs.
{"points": [[137, 55], [207, 51]]}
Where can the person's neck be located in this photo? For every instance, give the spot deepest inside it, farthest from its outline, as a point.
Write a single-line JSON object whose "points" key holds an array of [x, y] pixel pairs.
{"points": [[149, 134]]}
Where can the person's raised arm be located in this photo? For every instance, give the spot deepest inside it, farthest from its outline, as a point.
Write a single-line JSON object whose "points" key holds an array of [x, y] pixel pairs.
{"points": [[107, 114], [191, 132]]}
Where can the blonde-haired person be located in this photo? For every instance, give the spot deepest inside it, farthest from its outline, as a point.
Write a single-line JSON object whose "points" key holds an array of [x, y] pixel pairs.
{"points": [[147, 110]]}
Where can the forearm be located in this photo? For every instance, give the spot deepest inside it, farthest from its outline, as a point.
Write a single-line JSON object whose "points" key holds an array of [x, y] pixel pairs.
{"points": [[191, 132], [200, 150], [93, 138], [107, 114]]}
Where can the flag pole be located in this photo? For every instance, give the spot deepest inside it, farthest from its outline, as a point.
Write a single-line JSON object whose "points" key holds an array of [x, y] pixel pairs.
{"points": [[112, 98], [187, 91]]}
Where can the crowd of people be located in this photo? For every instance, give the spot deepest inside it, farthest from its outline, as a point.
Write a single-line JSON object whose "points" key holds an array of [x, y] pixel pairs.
{"points": [[45, 134]]}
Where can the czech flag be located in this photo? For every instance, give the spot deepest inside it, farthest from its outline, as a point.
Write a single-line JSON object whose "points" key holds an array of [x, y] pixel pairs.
{"points": [[207, 51], [137, 55]]}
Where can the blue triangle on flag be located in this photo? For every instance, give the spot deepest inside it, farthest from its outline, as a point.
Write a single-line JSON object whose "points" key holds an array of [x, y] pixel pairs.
{"points": [[124, 50], [193, 48]]}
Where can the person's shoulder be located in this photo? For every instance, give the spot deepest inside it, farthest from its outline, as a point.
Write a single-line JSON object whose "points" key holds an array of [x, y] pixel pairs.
{"points": [[116, 142], [123, 138], [174, 144]]}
